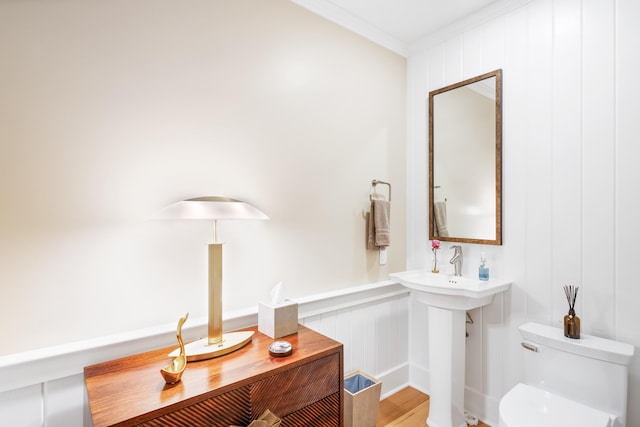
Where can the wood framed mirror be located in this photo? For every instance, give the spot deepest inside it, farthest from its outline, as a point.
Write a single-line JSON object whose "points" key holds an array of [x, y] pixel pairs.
{"points": [[465, 161]]}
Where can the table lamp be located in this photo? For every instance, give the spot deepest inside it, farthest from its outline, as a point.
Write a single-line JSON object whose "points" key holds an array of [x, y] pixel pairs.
{"points": [[214, 208]]}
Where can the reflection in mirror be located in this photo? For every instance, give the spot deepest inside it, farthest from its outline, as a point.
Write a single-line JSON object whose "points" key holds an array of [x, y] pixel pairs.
{"points": [[465, 152]]}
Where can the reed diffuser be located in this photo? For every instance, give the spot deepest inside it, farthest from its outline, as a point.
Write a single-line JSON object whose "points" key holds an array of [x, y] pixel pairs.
{"points": [[571, 321]]}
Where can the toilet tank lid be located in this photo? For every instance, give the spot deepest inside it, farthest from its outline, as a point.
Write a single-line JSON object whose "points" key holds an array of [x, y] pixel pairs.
{"points": [[588, 345]]}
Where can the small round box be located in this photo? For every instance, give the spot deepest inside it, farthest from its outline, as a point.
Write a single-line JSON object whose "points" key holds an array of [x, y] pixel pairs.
{"points": [[280, 349]]}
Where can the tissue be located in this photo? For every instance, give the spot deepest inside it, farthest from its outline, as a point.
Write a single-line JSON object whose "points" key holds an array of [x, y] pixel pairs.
{"points": [[276, 294], [278, 318]]}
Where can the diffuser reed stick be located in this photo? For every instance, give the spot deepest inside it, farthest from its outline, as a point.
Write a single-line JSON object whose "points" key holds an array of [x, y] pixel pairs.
{"points": [[571, 321], [572, 293]]}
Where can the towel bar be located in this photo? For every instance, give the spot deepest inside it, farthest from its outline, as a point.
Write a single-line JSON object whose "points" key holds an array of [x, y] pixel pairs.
{"points": [[376, 182]]}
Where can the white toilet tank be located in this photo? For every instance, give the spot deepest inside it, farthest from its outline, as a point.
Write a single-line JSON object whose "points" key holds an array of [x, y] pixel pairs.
{"points": [[589, 370]]}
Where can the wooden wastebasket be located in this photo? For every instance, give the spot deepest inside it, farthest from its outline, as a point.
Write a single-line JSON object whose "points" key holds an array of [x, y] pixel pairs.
{"points": [[361, 399]]}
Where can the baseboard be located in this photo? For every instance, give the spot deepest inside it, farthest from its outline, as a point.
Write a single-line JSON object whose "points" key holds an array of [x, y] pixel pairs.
{"points": [[394, 380], [476, 403], [484, 407], [419, 378]]}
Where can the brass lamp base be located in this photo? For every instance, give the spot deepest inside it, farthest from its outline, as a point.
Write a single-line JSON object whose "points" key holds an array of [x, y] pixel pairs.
{"points": [[202, 350]]}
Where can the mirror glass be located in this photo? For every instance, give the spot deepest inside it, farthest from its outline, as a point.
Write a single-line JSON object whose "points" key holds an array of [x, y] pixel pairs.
{"points": [[465, 155]]}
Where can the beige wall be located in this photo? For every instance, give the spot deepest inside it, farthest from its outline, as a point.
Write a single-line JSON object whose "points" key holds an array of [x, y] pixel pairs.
{"points": [[113, 109]]}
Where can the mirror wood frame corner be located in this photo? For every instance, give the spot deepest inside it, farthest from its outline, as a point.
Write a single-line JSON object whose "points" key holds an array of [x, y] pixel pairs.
{"points": [[444, 162]]}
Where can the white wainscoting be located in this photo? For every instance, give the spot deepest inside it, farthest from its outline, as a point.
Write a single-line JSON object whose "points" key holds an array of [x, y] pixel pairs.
{"points": [[45, 388]]}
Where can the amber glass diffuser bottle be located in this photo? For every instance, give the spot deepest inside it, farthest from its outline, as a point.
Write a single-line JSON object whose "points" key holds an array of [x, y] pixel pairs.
{"points": [[571, 321]]}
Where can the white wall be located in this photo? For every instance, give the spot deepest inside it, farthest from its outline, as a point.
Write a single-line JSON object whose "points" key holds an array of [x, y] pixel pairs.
{"points": [[570, 128], [112, 110]]}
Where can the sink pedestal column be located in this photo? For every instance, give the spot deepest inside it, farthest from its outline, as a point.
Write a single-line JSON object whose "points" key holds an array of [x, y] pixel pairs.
{"points": [[446, 367]]}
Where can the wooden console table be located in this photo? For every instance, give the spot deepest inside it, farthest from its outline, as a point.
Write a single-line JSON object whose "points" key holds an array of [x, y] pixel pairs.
{"points": [[303, 389]]}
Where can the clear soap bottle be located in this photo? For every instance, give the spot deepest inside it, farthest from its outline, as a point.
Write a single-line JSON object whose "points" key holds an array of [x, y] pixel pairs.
{"points": [[483, 270]]}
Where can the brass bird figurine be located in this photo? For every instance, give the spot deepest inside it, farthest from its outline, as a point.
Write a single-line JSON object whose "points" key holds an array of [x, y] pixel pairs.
{"points": [[173, 371]]}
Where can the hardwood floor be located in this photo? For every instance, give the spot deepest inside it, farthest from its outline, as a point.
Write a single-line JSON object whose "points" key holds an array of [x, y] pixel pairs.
{"points": [[406, 408]]}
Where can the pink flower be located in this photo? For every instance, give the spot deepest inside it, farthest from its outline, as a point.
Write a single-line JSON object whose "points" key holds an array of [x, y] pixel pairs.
{"points": [[435, 244]]}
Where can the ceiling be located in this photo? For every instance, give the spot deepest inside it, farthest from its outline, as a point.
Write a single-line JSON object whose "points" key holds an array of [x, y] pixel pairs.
{"points": [[399, 23]]}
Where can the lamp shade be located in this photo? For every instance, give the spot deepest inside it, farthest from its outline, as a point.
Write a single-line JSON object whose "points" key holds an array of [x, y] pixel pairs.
{"points": [[212, 208]]}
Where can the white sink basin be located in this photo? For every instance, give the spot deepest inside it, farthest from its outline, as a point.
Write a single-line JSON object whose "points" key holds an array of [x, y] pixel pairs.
{"points": [[450, 292]]}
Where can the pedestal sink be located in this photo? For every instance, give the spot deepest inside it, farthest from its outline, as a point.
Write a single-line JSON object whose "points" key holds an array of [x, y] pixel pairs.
{"points": [[448, 298]]}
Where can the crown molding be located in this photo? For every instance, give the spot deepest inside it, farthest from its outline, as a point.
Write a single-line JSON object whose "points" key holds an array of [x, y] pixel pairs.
{"points": [[336, 14], [480, 17]]}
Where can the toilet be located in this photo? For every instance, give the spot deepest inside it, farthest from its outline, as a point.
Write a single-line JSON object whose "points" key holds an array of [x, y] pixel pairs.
{"points": [[568, 382]]}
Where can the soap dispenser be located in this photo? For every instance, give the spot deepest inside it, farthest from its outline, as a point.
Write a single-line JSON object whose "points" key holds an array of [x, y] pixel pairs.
{"points": [[483, 270]]}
